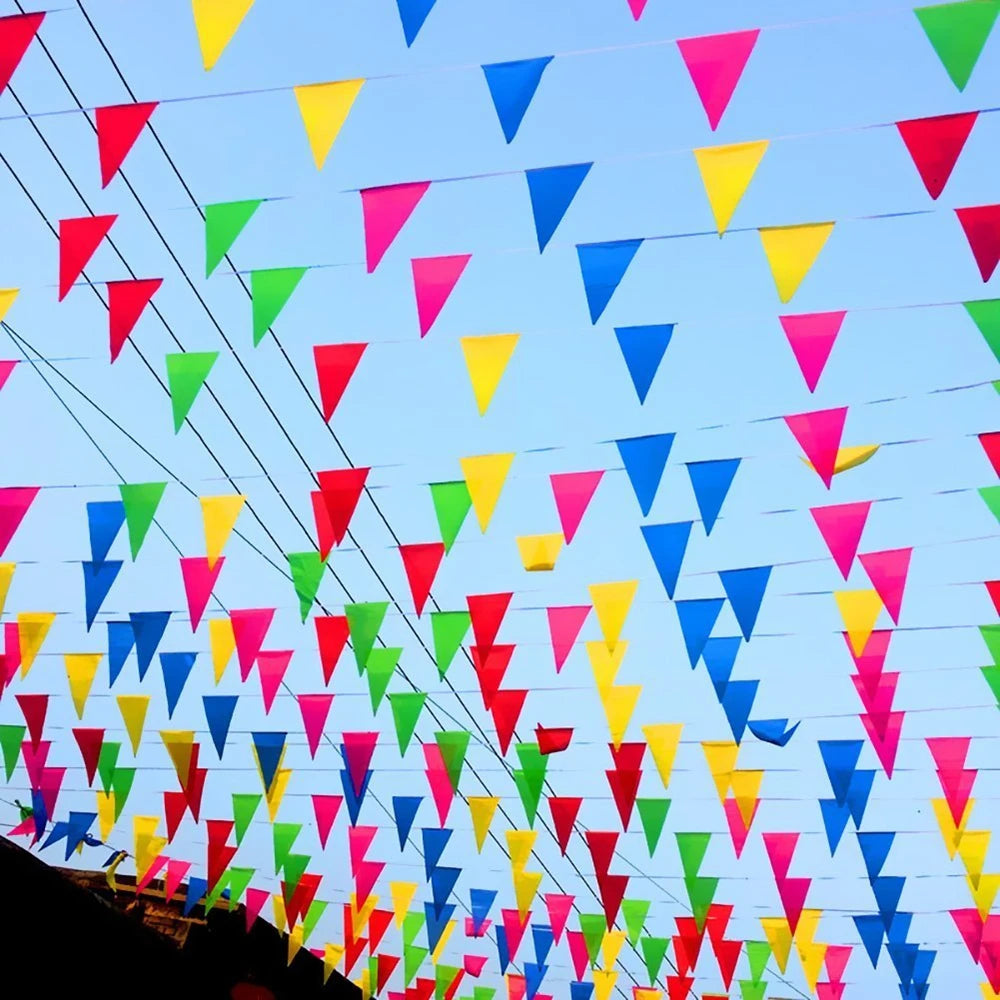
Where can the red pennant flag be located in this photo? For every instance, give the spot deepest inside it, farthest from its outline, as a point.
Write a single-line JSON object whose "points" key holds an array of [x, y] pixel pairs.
{"points": [[34, 708], [326, 808], [378, 924], [612, 889], [552, 740], [982, 229], [126, 301], [991, 445], [335, 367], [679, 987], [200, 578], [324, 530], [332, 633], [602, 844], [624, 789], [271, 667], [249, 629], [487, 612], [841, 526], [490, 666], [423, 989], [16, 33], [818, 434], [385, 211], [174, 804], [727, 954], [90, 742], [118, 127], [564, 629], [628, 757], [517, 986], [78, 239], [506, 709], [194, 790], [352, 952], [935, 145], [993, 588], [434, 279], [811, 337], [716, 63], [342, 490], [315, 709], [385, 966], [421, 563], [887, 572], [14, 504], [359, 748], [564, 813]]}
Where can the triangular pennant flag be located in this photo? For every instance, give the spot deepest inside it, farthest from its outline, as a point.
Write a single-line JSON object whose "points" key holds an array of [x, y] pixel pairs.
{"points": [[34, 708], [841, 526], [14, 504], [643, 348], [818, 434], [324, 108], [745, 590], [219, 710], [958, 32], [307, 574], [6, 576], [16, 33], [421, 563], [148, 628], [434, 279], [78, 240], [487, 358], [224, 221], [482, 810], [81, 669], [326, 808], [186, 374], [726, 172], [244, 808], [216, 21], [11, 738], [89, 741], [412, 14], [126, 302], [219, 515], [887, 572], [716, 63], [564, 628], [141, 501], [645, 458], [176, 670], [986, 315], [859, 610], [506, 709], [342, 489], [711, 481], [364, 621], [485, 476], [612, 602], [652, 815], [406, 708], [104, 520], [935, 145], [98, 579], [811, 337], [791, 252], [133, 708], [451, 505], [385, 211], [573, 492], [602, 266], [335, 367], [118, 127], [697, 618], [667, 544], [448, 629], [379, 668], [270, 291], [737, 703], [453, 747], [981, 225], [222, 644], [512, 86], [32, 628], [315, 709], [552, 190]]}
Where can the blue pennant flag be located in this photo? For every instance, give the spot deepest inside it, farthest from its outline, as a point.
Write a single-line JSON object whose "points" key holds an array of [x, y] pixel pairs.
{"points": [[512, 86], [121, 639], [442, 883], [219, 710], [352, 798], [533, 976], [542, 937], [581, 991], [887, 890], [667, 544], [602, 266], [412, 14], [710, 482], [552, 190], [503, 952], [39, 813], [434, 842], [98, 578], [903, 956], [737, 703], [840, 757], [835, 817], [914, 992], [148, 627], [899, 927], [858, 791], [57, 833], [645, 458], [745, 590], [269, 747], [774, 731], [77, 828], [871, 932], [720, 655], [875, 849], [697, 619], [480, 902], [922, 965], [404, 810], [436, 922], [104, 520], [176, 669], [643, 348], [197, 887]]}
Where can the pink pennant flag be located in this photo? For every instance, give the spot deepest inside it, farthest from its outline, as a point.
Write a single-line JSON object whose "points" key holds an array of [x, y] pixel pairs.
{"points": [[359, 748], [738, 830], [837, 957], [176, 870], [957, 788], [151, 872], [271, 667], [887, 571], [811, 337], [254, 902], [515, 929], [793, 892], [886, 742], [326, 808], [434, 279], [35, 759], [6, 367], [560, 906], [385, 211], [949, 752], [780, 847], [51, 784], [578, 953], [637, 7], [841, 526], [573, 492], [14, 504], [877, 701], [200, 578], [359, 839], [249, 629], [439, 781], [315, 709], [871, 660], [970, 927], [818, 434], [564, 628], [474, 964], [716, 63]]}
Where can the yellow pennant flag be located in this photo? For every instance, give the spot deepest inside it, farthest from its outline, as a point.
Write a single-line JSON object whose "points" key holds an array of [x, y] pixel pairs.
{"points": [[180, 747], [612, 602], [664, 739], [646, 993], [619, 703], [539, 552], [219, 515], [133, 708], [779, 937], [604, 983], [520, 844], [365, 984], [402, 894], [484, 477], [811, 956], [611, 947], [860, 610], [972, 850], [6, 575], [277, 792], [482, 808], [222, 643], [442, 941], [360, 918], [216, 22], [487, 359], [143, 832], [720, 755], [106, 813], [294, 942], [7, 296], [726, 172], [280, 919], [81, 669], [988, 992], [525, 889], [32, 628], [985, 893], [332, 954], [746, 791], [606, 663], [951, 834], [805, 931], [791, 252], [849, 457], [324, 108]]}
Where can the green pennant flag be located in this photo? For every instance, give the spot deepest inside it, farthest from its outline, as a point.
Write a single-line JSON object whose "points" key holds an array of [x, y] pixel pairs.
{"points": [[307, 574], [312, 917], [140, 501], [483, 992], [372, 969], [406, 709], [448, 629], [239, 879], [295, 867], [634, 913], [453, 747], [121, 785], [985, 313], [244, 807], [212, 897], [452, 503], [758, 954], [379, 668], [991, 636], [991, 675], [958, 32], [284, 835], [593, 927], [11, 738], [652, 815], [750, 990], [530, 779], [270, 290], [363, 623], [653, 951], [107, 761], [413, 958], [413, 924], [444, 976], [692, 847], [224, 221], [991, 497], [701, 891], [531, 794], [186, 374]]}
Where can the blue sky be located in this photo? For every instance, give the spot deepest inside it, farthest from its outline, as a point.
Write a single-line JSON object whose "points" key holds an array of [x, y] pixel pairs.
{"points": [[616, 94]]}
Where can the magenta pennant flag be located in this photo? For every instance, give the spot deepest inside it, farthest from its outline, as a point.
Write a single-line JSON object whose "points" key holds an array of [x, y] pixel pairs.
{"points": [[271, 667], [14, 504], [564, 628], [949, 752], [841, 526], [199, 580], [637, 7], [359, 839], [560, 906], [886, 742], [818, 434], [716, 64], [780, 847], [434, 279], [877, 700], [738, 830], [254, 902], [176, 870], [385, 211], [314, 708], [249, 628], [359, 748], [6, 367], [326, 808], [887, 572], [811, 337], [439, 781], [573, 492], [151, 872]]}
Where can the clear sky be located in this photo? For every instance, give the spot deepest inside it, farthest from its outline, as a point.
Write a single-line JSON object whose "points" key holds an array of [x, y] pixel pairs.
{"points": [[616, 94]]}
